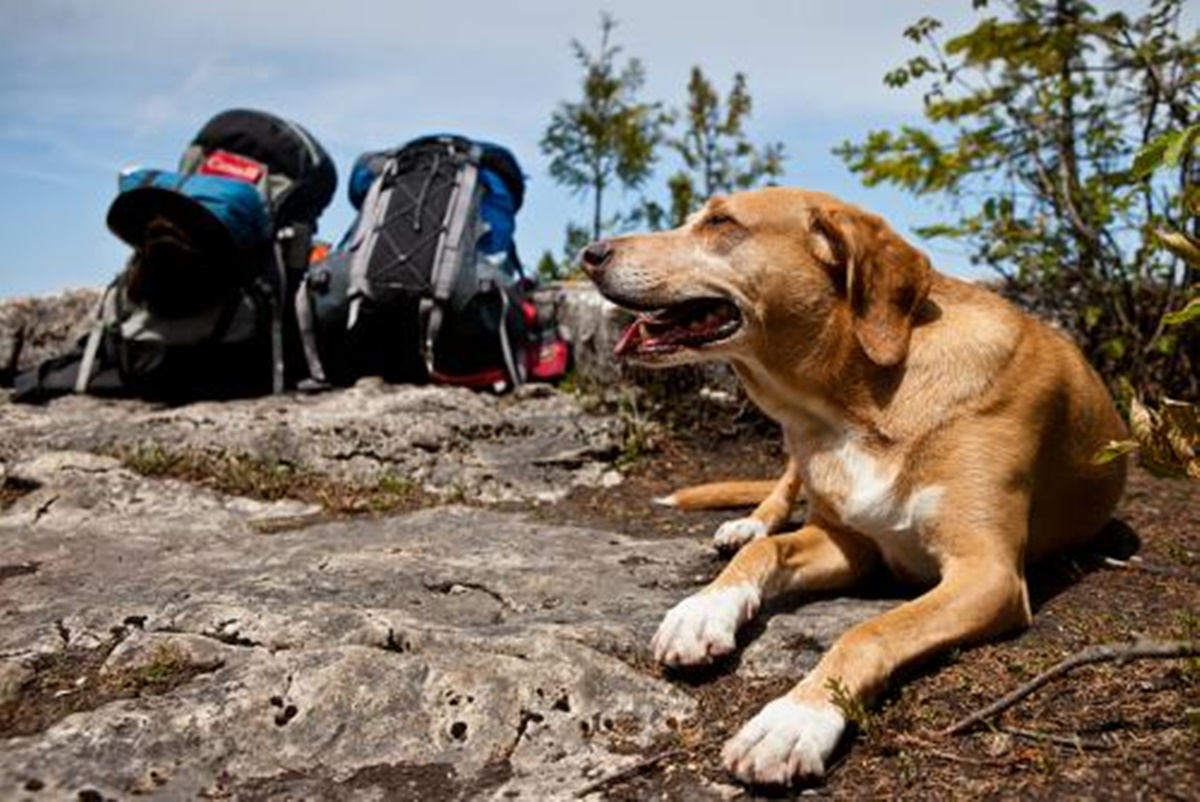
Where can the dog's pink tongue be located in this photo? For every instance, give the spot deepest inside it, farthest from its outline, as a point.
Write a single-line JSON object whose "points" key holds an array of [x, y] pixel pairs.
{"points": [[630, 338]]}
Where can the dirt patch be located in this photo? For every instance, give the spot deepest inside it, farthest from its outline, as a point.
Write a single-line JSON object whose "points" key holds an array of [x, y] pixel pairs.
{"points": [[18, 569], [1103, 732], [12, 488], [404, 782], [71, 681]]}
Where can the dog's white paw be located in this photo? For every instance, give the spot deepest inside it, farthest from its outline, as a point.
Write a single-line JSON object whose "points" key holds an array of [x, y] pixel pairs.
{"points": [[704, 626], [787, 740], [734, 534]]}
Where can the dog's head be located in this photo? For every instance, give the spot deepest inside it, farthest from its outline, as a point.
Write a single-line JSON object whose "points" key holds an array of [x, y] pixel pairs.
{"points": [[772, 272]]}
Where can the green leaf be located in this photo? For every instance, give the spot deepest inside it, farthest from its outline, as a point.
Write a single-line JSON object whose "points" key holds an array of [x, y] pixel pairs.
{"points": [[1149, 158], [1166, 151], [1181, 143], [1113, 450], [1188, 314], [1179, 244]]}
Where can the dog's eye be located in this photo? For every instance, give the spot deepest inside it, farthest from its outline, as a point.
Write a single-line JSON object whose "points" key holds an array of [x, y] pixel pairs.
{"points": [[716, 220]]}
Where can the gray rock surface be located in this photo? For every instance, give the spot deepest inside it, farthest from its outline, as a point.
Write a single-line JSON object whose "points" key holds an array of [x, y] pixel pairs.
{"points": [[455, 652], [33, 329], [533, 445]]}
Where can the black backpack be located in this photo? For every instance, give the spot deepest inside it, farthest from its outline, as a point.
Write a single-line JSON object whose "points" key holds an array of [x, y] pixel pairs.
{"points": [[201, 309], [427, 283], [300, 177]]}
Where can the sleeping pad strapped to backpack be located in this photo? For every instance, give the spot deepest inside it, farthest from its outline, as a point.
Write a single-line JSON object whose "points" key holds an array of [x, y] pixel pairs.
{"points": [[199, 311], [427, 283]]}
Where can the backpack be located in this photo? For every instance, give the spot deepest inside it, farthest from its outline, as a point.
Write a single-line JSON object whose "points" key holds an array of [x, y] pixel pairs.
{"points": [[295, 174], [199, 310], [427, 284]]}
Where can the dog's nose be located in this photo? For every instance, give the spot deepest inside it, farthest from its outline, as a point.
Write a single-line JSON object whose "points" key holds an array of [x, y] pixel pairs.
{"points": [[596, 256]]}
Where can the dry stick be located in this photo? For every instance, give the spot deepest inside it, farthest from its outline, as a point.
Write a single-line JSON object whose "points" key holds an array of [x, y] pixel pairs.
{"points": [[1073, 740], [1137, 564], [629, 771], [1093, 654], [936, 752]]}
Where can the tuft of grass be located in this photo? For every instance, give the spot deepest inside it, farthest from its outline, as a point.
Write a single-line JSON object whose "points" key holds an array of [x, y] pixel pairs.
{"points": [[852, 708], [167, 668], [640, 436], [1189, 629], [72, 681], [275, 480]]}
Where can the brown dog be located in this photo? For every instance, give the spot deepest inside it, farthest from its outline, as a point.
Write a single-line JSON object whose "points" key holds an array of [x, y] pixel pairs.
{"points": [[935, 429]]}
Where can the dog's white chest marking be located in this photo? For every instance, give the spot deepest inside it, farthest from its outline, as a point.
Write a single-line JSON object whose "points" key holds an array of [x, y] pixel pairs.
{"points": [[861, 490]]}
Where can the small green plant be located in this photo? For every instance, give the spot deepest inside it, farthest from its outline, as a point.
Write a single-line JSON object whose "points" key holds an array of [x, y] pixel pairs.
{"points": [[852, 707], [1189, 629], [391, 492], [152, 460], [275, 480], [168, 666], [640, 435]]}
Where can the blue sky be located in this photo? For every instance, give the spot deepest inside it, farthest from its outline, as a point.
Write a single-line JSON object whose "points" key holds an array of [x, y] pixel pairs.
{"points": [[90, 86]]}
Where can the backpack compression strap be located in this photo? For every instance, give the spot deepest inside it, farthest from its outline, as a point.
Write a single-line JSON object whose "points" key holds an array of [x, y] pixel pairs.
{"points": [[308, 338], [451, 249]]}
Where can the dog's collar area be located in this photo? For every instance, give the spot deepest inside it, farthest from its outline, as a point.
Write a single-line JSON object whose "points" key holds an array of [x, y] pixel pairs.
{"points": [[689, 324]]}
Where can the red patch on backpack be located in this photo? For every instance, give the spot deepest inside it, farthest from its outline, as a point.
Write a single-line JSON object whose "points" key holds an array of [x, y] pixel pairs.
{"points": [[230, 165]]}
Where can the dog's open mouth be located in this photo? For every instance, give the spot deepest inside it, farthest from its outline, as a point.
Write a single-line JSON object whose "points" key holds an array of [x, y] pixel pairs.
{"points": [[688, 324]]}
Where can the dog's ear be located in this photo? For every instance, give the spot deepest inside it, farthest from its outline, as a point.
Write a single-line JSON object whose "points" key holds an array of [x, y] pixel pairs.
{"points": [[884, 279]]}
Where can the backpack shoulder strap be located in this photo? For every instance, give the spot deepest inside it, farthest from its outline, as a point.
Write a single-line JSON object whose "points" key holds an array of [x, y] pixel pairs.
{"points": [[361, 241], [104, 312]]}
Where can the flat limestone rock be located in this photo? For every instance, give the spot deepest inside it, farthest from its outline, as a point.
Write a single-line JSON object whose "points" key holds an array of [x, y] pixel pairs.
{"points": [[533, 445], [37, 328], [461, 649]]}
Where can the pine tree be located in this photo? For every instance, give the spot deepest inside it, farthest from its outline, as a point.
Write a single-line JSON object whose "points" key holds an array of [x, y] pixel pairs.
{"points": [[608, 138]]}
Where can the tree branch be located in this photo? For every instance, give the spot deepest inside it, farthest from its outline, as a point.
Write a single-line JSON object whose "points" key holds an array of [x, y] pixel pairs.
{"points": [[1143, 649]]}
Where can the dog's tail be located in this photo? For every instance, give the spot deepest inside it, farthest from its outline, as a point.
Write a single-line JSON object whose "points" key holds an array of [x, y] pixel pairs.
{"points": [[718, 495]]}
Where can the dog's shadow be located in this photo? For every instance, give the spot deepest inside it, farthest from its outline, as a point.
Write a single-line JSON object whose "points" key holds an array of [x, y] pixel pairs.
{"points": [[1048, 579]]}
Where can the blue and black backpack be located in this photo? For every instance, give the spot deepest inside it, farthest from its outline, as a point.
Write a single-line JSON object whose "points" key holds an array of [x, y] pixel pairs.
{"points": [[427, 284], [203, 307]]}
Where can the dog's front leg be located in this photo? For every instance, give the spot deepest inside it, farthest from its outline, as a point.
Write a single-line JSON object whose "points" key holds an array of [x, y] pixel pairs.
{"points": [[767, 517], [793, 736], [704, 626]]}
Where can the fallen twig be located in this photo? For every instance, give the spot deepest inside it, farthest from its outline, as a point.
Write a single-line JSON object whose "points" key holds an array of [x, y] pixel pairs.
{"points": [[1073, 740], [934, 751], [1137, 564], [1139, 650], [629, 771]]}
